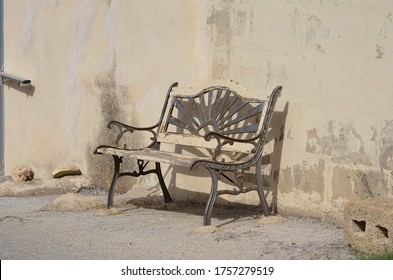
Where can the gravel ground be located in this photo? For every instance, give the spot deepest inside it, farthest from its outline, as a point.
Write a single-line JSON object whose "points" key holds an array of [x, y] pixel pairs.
{"points": [[139, 231]]}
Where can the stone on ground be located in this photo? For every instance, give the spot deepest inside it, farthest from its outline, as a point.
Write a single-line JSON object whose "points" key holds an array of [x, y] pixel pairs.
{"points": [[66, 170], [22, 174]]}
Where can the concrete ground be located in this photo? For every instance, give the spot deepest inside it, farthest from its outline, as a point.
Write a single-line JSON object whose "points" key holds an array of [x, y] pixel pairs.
{"points": [[74, 224]]}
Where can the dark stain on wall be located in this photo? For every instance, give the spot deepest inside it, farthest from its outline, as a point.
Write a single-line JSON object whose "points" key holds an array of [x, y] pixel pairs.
{"points": [[112, 96]]}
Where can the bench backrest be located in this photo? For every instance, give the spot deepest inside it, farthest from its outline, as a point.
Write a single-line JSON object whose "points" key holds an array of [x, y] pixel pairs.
{"points": [[190, 114]]}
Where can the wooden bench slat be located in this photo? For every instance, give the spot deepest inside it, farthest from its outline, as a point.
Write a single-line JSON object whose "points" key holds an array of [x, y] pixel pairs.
{"points": [[151, 155], [200, 142]]}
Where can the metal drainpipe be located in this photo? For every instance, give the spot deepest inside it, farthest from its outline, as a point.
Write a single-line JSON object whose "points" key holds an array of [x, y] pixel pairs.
{"points": [[1, 88]]}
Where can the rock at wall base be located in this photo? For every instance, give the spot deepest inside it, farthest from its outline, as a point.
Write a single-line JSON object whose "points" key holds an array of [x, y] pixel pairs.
{"points": [[22, 174], [66, 170]]}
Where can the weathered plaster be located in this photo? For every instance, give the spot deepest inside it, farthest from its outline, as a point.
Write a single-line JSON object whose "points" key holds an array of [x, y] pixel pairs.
{"points": [[340, 142], [304, 178], [342, 183], [384, 138], [219, 21], [94, 61], [220, 24]]}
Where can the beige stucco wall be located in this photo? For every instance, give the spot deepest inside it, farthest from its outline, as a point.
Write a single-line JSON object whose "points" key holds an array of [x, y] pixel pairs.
{"points": [[91, 61]]}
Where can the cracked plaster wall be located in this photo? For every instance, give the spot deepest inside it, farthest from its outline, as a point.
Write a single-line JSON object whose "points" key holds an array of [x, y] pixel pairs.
{"points": [[333, 59]]}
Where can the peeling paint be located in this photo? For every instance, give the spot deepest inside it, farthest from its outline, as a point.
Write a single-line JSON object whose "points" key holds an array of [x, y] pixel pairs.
{"points": [[286, 181], [300, 203], [311, 145], [307, 27], [370, 183], [342, 183], [305, 178], [339, 141], [387, 26], [220, 21], [385, 139], [379, 52], [378, 183]]}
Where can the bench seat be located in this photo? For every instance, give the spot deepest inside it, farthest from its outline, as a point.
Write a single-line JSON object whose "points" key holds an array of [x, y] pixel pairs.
{"points": [[153, 155]]}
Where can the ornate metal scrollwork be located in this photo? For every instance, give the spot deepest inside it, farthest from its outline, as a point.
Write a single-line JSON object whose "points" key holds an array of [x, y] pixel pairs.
{"points": [[219, 113], [123, 128]]}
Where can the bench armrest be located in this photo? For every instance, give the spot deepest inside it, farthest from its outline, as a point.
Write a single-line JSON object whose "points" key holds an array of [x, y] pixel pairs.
{"points": [[124, 128], [229, 166], [223, 140], [230, 140]]}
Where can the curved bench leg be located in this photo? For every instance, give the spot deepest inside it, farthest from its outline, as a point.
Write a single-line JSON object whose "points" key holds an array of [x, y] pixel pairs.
{"points": [[261, 194], [118, 161], [167, 196], [212, 198]]}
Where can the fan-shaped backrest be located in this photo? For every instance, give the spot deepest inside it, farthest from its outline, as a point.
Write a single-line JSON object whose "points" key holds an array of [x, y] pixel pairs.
{"points": [[221, 109], [216, 109]]}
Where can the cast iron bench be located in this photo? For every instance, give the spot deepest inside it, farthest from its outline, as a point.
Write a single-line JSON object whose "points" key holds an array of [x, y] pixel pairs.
{"points": [[226, 130]]}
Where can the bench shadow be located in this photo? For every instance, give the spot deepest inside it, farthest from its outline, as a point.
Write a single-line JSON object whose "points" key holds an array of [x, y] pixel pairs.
{"points": [[276, 137], [223, 212]]}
